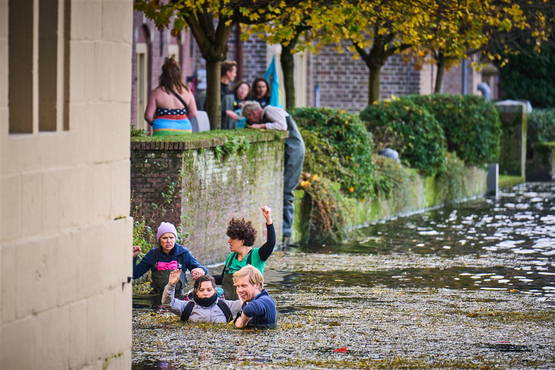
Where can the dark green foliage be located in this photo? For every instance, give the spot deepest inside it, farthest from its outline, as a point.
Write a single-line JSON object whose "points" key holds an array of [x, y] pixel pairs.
{"points": [[531, 76], [339, 148], [541, 126], [417, 135], [471, 124]]}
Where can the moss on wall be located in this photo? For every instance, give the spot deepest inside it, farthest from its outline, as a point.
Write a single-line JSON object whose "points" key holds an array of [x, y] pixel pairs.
{"points": [[412, 192], [200, 181]]}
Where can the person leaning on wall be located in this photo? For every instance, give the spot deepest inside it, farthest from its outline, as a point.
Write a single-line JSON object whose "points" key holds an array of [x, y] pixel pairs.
{"points": [[275, 118]]}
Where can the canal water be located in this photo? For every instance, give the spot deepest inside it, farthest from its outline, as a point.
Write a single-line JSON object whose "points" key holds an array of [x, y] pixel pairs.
{"points": [[469, 285]]}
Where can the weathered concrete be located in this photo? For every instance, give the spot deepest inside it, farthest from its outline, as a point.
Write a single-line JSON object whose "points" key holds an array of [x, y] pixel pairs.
{"points": [[65, 234], [412, 193]]}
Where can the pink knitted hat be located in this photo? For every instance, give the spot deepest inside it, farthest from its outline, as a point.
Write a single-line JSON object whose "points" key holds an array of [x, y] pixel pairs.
{"points": [[165, 227]]}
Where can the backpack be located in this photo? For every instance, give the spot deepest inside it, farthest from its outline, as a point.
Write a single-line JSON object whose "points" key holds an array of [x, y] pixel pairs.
{"points": [[221, 304]]}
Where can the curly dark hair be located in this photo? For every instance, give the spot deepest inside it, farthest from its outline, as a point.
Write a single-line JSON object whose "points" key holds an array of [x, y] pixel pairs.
{"points": [[241, 229]]}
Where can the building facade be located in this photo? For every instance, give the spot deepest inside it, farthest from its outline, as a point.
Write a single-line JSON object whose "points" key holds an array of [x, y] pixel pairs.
{"points": [[328, 79], [66, 234]]}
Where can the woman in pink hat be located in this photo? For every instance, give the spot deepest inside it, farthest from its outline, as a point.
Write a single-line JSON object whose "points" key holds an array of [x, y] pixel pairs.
{"points": [[165, 258]]}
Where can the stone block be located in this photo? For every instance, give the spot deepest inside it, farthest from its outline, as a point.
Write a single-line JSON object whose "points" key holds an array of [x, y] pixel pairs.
{"points": [[120, 189], [86, 15], [67, 274], [79, 349], [100, 323], [92, 263], [35, 276], [8, 289], [16, 340], [52, 329], [84, 83], [20, 159], [117, 21], [3, 66], [99, 186], [32, 203], [51, 197], [10, 211], [73, 211], [114, 67]]}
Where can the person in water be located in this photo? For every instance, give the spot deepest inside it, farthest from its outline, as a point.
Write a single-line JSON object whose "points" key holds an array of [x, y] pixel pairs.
{"points": [[241, 235], [259, 309], [165, 258], [204, 305]]}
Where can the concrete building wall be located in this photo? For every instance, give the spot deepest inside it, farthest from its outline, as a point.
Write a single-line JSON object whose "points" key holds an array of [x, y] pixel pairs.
{"points": [[65, 234]]}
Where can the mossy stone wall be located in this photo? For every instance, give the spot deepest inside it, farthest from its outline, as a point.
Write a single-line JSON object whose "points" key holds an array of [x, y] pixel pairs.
{"points": [[199, 186], [412, 193], [512, 157]]}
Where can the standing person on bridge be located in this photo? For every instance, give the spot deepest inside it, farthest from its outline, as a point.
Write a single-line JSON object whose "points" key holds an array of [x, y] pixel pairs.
{"points": [[274, 118]]}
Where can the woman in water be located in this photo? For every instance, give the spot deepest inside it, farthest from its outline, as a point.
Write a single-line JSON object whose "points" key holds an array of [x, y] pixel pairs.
{"points": [[241, 235]]}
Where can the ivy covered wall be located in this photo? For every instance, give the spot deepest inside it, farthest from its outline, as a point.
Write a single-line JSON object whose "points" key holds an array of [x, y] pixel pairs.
{"points": [[201, 181]]}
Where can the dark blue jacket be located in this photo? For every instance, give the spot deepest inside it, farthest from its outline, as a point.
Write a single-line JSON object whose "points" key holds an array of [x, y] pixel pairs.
{"points": [[179, 253], [262, 311]]}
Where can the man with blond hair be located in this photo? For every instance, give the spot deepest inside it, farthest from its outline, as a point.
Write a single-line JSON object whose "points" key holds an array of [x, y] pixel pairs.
{"points": [[259, 309]]}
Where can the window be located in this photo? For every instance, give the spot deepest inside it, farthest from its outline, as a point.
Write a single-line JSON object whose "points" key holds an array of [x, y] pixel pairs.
{"points": [[38, 65]]}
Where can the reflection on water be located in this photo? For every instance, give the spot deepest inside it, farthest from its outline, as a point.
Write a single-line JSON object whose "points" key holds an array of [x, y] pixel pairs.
{"points": [[382, 299], [519, 226]]}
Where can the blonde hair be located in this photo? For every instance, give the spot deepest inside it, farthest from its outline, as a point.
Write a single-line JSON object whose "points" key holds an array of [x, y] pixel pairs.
{"points": [[255, 276]]}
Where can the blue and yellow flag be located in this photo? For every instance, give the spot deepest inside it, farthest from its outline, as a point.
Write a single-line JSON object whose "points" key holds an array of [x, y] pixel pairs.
{"points": [[272, 77]]}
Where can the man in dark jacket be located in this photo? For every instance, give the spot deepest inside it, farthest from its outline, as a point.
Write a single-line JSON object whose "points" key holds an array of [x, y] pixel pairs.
{"points": [[259, 309]]}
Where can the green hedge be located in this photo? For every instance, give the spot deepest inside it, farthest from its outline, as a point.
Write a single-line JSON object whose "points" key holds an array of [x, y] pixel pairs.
{"points": [[411, 130], [529, 75], [541, 126], [339, 148], [471, 124]]}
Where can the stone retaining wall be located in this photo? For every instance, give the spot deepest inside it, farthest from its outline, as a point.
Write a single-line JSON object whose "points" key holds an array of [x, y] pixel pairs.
{"points": [[200, 184]]}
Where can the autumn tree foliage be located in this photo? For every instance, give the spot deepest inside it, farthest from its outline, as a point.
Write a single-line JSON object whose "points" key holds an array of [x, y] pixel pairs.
{"points": [[211, 23], [306, 26]]}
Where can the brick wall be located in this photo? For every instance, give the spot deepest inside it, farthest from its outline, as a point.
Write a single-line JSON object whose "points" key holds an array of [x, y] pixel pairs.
{"points": [[343, 81], [210, 190]]}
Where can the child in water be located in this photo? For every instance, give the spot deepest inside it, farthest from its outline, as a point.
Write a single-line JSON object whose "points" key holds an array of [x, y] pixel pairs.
{"points": [[204, 306]]}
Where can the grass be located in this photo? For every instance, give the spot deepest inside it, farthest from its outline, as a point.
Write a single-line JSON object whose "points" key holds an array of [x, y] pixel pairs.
{"points": [[217, 135], [506, 181]]}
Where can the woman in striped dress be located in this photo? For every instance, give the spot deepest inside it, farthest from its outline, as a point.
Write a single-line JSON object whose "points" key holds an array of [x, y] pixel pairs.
{"points": [[171, 104]]}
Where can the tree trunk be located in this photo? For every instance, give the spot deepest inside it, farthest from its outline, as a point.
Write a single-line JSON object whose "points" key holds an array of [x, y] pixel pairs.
{"points": [[213, 94], [288, 67], [440, 73], [374, 84]]}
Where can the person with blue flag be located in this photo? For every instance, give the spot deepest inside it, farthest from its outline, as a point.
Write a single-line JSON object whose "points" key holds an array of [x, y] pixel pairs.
{"points": [[261, 91], [271, 75]]}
